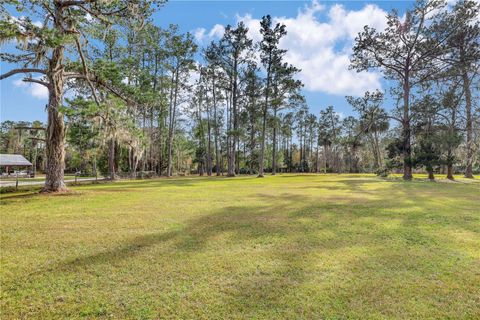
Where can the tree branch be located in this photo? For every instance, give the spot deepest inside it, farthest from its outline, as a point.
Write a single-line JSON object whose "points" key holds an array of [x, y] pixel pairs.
{"points": [[23, 70], [43, 83], [99, 82], [85, 70]]}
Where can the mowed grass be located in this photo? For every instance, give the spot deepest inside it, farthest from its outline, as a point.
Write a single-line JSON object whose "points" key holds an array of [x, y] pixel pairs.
{"points": [[283, 247]]}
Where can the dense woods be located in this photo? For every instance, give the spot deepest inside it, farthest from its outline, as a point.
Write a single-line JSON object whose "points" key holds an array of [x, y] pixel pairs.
{"points": [[147, 101]]}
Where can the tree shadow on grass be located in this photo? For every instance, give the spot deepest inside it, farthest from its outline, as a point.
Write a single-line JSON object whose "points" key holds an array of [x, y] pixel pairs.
{"points": [[250, 222], [6, 200], [292, 230], [164, 182], [243, 222]]}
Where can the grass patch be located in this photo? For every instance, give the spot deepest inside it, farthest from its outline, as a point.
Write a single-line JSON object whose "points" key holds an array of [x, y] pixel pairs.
{"points": [[289, 246]]}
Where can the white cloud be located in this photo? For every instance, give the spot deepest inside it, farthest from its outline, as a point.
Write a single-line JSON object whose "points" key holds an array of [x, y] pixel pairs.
{"points": [[319, 41], [34, 89], [350, 23], [202, 37], [217, 31], [253, 26], [199, 34]]}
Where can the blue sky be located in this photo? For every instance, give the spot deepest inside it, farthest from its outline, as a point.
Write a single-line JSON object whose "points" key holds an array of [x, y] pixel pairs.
{"points": [[319, 37]]}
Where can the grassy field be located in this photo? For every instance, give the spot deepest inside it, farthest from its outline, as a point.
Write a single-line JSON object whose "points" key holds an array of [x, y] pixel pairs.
{"points": [[284, 247]]}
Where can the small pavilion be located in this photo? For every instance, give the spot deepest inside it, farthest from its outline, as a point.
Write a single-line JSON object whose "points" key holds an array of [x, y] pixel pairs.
{"points": [[8, 161]]}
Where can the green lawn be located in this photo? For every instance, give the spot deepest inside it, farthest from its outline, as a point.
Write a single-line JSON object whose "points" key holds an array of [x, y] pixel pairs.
{"points": [[284, 247]]}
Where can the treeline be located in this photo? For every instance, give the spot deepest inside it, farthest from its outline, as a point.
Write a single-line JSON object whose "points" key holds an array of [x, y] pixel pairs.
{"points": [[148, 101], [25, 138]]}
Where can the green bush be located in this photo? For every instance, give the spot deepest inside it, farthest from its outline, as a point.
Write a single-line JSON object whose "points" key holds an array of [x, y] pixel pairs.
{"points": [[382, 172]]}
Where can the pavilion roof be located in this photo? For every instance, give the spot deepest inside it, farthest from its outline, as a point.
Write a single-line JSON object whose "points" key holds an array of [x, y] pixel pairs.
{"points": [[13, 160]]}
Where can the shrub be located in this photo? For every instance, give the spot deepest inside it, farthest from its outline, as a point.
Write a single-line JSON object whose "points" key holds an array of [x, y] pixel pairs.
{"points": [[382, 172]]}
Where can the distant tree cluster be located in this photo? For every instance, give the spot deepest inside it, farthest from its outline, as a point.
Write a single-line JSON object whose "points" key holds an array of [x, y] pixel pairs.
{"points": [[25, 138], [432, 60], [127, 97]]}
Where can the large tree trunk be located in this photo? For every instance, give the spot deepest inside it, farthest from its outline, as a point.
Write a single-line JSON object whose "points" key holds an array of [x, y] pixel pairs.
{"points": [[468, 110], [430, 174], [217, 152], [262, 145], [264, 125], [407, 148], [160, 142], [237, 158], [228, 108], [450, 172], [290, 157], [274, 143], [152, 165], [171, 125], [209, 141], [55, 135], [252, 142], [144, 129], [233, 149]]}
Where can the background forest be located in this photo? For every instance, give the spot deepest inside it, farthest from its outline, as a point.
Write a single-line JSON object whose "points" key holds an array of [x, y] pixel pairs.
{"points": [[130, 99]]}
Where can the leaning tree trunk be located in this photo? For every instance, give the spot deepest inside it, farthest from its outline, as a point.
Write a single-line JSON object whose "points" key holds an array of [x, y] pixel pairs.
{"points": [[55, 135]]}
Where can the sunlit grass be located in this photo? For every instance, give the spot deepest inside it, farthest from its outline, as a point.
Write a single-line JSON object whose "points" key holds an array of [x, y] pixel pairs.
{"points": [[438, 177], [290, 246]]}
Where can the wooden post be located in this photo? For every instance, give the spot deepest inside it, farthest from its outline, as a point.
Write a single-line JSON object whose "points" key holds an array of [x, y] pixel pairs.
{"points": [[16, 181]]}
